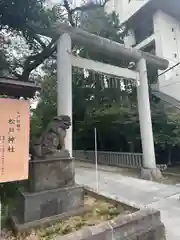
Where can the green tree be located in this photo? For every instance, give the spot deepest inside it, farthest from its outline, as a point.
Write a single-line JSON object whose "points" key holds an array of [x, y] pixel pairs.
{"points": [[18, 18]]}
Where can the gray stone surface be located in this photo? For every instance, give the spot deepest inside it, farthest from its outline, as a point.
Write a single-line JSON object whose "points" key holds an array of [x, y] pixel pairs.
{"points": [[51, 174], [138, 193], [142, 225], [35, 206]]}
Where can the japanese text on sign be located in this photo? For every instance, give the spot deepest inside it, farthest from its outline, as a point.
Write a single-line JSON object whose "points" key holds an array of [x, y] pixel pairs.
{"points": [[11, 137], [2, 150], [14, 139]]}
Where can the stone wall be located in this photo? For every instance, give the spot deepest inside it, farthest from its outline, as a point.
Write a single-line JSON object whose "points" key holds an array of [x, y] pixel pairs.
{"points": [[141, 225]]}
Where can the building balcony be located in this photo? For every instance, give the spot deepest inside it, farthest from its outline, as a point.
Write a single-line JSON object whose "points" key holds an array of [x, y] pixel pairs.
{"points": [[146, 43], [148, 8]]}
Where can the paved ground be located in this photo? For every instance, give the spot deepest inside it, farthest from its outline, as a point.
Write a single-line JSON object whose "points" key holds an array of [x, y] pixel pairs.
{"points": [[139, 193]]}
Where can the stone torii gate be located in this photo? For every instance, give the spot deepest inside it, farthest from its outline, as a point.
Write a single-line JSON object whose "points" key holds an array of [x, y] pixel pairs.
{"points": [[114, 50]]}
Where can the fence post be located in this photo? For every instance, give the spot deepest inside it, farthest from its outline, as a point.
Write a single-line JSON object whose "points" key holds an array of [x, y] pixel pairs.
{"points": [[96, 159]]}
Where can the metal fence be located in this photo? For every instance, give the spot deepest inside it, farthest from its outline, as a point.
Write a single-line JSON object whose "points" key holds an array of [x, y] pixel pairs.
{"points": [[120, 159]]}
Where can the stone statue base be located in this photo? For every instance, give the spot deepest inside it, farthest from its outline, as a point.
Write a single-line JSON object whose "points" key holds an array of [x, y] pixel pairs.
{"points": [[50, 174], [51, 191]]}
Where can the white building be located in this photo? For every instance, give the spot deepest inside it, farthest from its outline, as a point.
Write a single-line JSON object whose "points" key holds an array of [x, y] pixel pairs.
{"points": [[154, 26]]}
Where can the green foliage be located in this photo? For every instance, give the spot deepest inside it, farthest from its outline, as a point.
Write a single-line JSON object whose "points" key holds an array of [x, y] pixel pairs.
{"points": [[166, 126], [17, 13], [8, 191], [117, 121], [29, 50], [46, 109]]}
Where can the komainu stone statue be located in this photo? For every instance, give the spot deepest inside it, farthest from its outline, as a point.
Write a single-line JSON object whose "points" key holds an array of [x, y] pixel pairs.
{"points": [[51, 142]]}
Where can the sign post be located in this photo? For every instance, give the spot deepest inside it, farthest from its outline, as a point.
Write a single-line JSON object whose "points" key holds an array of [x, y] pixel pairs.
{"points": [[96, 159], [14, 140]]}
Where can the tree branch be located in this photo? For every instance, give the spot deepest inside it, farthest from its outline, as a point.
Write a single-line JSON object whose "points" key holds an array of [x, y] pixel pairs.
{"points": [[86, 7], [69, 12], [35, 36], [89, 6], [34, 61]]}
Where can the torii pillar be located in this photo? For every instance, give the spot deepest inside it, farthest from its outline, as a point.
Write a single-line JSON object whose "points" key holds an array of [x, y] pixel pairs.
{"points": [[64, 83], [149, 170]]}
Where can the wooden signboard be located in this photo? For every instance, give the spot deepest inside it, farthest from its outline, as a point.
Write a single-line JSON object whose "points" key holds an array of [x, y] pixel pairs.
{"points": [[14, 139]]}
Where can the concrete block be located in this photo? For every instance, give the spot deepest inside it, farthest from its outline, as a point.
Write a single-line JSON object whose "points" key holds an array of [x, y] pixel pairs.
{"points": [[141, 225], [39, 205]]}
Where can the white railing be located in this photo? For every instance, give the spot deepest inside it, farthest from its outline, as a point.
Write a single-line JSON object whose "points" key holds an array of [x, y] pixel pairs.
{"points": [[121, 159]]}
